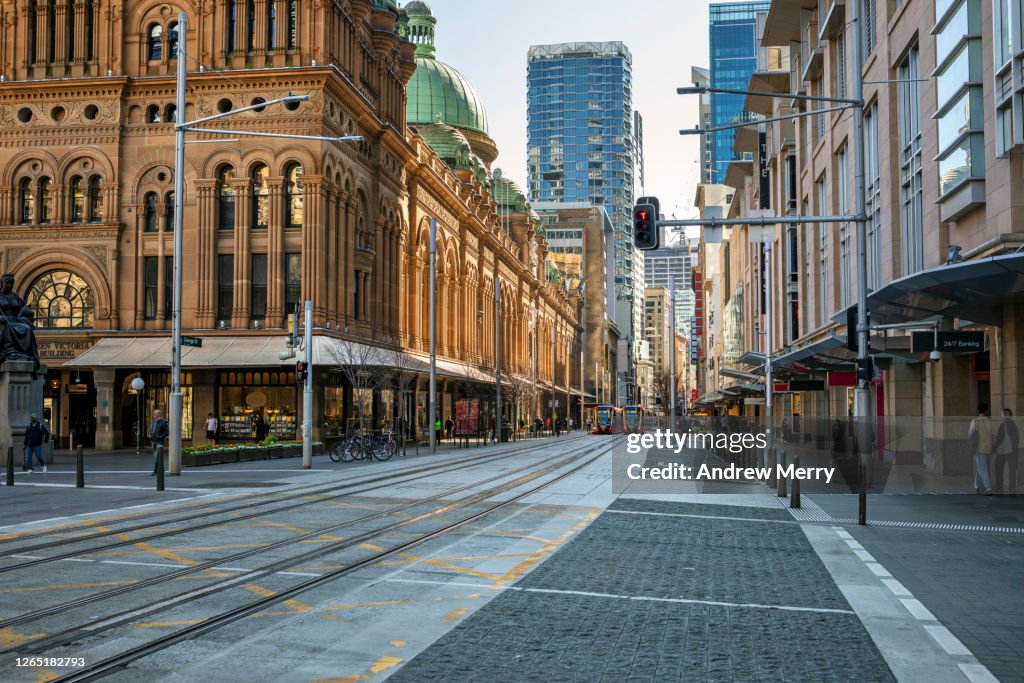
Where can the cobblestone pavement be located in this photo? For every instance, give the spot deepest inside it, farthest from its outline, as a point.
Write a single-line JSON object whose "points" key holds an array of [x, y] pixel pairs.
{"points": [[976, 595], [643, 595]]}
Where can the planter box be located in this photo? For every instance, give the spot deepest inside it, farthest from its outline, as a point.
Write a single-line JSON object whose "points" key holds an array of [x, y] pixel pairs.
{"points": [[292, 451], [188, 460]]}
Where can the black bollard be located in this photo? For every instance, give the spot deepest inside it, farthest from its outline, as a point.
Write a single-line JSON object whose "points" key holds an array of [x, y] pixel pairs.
{"points": [[80, 467], [10, 465], [772, 460], [794, 500], [862, 497], [159, 468], [781, 490]]}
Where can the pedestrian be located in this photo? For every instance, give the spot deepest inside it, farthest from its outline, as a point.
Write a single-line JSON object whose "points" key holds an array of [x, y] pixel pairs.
{"points": [[981, 435], [36, 434], [437, 430], [589, 423], [449, 428], [1007, 442], [261, 426], [158, 432], [548, 424], [838, 438], [211, 428]]}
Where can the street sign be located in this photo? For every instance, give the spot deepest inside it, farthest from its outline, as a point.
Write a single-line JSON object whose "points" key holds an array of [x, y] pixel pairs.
{"points": [[949, 342], [807, 385], [196, 342]]}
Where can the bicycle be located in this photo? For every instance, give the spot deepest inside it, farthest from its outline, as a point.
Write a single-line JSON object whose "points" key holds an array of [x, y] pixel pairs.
{"points": [[358, 447]]}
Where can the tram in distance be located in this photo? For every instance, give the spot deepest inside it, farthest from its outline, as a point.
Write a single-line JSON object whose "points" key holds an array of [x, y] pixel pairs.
{"points": [[609, 420], [636, 419]]}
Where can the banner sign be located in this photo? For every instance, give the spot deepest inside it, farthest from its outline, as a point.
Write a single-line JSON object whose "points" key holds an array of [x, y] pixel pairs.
{"points": [[949, 342]]}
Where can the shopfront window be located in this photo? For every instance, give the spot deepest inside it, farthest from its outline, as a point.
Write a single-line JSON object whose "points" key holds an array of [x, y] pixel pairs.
{"points": [[242, 394]]}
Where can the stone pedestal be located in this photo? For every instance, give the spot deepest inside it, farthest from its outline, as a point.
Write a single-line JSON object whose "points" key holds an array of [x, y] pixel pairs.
{"points": [[20, 396], [108, 437]]}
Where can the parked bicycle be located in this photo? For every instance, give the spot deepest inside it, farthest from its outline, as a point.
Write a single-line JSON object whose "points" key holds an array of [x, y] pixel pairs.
{"points": [[359, 447]]}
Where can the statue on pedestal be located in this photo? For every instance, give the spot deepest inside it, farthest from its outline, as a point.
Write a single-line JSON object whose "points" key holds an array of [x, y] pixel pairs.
{"points": [[17, 326]]}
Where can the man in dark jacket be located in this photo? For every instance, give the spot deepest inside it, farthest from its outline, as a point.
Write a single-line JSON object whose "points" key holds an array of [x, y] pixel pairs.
{"points": [[36, 434], [159, 430], [1006, 443]]}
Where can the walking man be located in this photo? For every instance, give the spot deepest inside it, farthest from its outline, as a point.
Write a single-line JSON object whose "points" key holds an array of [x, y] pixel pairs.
{"points": [[211, 428], [1007, 442], [982, 436], [158, 432], [36, 435]]}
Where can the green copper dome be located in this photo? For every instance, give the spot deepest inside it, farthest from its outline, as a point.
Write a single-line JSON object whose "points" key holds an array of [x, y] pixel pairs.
{"points": [[507, 194], [436, 89]]}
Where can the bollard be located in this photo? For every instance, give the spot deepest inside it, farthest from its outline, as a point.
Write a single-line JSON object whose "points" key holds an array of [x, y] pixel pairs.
{"points": [[794, 500], [80, 467], [10, 465], [781, 490], [773, 454], [862, 497], [159, 468]]}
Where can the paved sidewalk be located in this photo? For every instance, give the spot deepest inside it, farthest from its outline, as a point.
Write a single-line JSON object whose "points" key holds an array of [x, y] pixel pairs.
{"points": [[655, 591]]}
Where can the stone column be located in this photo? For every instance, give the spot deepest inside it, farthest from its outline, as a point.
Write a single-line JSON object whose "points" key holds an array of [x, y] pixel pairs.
{"points": [[107, 438], [16, 403], [275, 255]]}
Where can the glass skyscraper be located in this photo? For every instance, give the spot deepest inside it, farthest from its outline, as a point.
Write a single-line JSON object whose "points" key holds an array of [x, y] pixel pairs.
{"points": [[733, 39], [581, 147]]}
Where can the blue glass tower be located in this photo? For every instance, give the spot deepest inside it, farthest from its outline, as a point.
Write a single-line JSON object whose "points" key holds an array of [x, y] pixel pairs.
{"points": [[581, 148], [733, 40]]}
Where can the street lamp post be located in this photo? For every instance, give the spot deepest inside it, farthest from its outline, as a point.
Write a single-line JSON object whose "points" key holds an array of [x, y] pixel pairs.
{"points": [[180, 128], [672, 353], [497, 356], [138, 384], [432, 401]]}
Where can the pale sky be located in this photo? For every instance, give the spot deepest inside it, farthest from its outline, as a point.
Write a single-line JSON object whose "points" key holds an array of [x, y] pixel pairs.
{"points": [[488, 42]]}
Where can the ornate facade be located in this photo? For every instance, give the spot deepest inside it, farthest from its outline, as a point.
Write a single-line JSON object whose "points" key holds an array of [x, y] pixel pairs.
{"points": [[86, 208]]}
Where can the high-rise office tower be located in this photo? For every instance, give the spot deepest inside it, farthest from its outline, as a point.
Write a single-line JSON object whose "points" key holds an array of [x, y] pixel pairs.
{"points": [[673, 261], [581, 149], [733, 40]]}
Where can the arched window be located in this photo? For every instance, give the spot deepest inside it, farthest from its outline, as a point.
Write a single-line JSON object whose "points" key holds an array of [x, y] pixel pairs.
{"points": [[153, 114], [169, 212], [95, 200], [292, 23], [155, 42], [171, 113], [293, 196], [45, 200], [225, 198], [260, 197], [149, 212], [172, 40], [27, 201], [61, 299], [77, 200]]}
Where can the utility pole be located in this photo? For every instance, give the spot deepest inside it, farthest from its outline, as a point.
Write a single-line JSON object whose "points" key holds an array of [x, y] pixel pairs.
{"points": [[862, 400], [307, 391], [768, 386], [672, 353], [497, 357], [175, 412]]}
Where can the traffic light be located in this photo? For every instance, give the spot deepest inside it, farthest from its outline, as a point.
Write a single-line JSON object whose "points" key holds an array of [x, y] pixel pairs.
{"points": [[301, 371], [865, 369], [645, 226]]}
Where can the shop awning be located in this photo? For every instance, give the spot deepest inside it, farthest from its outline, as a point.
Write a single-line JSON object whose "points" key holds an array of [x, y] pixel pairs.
{"points": [[710, 398], [738, 374], [155, 352], [752, 358], [336, 352], [824, 354], [972, 290]]}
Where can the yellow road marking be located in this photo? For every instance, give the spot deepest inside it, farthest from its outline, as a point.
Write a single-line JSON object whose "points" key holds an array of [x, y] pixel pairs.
{"points": [[45, 675], [454, 614], [298, 606], [384, 663], [11, 638], [398, 643], [168, 624], [544, 551], [66, 586]]}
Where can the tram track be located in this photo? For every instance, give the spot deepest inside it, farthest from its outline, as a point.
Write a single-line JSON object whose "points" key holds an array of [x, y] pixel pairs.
{"points": [[40, 613], [575, 463], [336, 491]]}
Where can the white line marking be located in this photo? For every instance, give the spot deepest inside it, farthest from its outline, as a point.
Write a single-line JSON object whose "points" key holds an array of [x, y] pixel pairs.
{"points": [[864, 555], [843, 533], [120, 488], [878, 569], [946, 640], [145, 564], [897, 588], [675, 514], [854, 544], [978, 673], [639, 598], [917, 609]]}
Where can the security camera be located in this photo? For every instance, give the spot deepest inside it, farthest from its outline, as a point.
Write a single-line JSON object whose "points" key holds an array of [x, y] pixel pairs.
{"points": [[285, 355], [935, 356]]}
